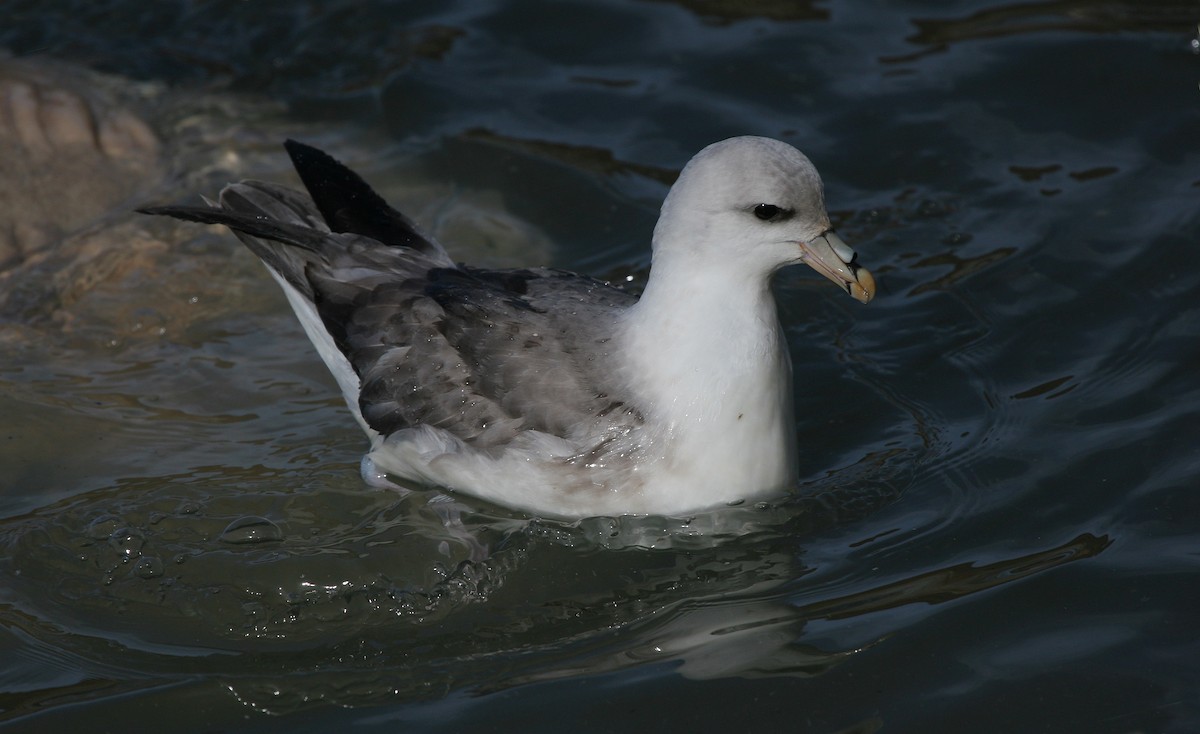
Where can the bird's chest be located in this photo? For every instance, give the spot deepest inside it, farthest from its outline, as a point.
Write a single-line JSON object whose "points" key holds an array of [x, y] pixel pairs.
{"points": [[725, 415]]}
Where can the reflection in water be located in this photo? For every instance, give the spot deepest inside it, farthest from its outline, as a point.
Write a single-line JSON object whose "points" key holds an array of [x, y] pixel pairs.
{"points": [[728, 11], [1107, 16], [1050, 386], [581, 157], [1034, 173], [954, 582], [960, 267]]}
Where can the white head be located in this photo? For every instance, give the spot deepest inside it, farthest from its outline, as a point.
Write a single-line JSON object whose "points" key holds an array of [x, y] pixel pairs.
{"points": [[752, 205]]}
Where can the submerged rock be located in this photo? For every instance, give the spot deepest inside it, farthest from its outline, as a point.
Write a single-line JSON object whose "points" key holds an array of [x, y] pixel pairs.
{"points": [[73, 150], [82, 150]]}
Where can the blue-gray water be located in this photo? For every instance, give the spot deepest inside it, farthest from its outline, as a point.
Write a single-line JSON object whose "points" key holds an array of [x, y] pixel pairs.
{"points": [[999, 526]]}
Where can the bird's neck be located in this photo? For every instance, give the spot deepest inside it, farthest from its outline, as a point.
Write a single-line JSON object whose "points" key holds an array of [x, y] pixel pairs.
{"points": [[694, 311]]}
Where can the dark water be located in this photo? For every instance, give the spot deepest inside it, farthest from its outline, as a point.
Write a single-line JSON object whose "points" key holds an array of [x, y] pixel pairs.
{"points": [[999, 525]]}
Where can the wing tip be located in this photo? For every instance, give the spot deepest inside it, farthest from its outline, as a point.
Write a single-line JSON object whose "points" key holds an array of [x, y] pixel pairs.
{"points": [[347, 202]]}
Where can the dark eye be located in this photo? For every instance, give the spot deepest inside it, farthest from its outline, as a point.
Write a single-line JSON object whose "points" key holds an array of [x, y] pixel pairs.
{"points": [[766, 212]]}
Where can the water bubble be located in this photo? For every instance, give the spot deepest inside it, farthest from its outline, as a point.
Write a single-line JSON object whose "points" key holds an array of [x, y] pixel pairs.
{"points": [[127, 541], [251, 529], [148, 567]]}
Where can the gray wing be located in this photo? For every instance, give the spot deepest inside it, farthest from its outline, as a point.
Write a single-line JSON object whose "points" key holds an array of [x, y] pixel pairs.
{"points": [[483, 354]]}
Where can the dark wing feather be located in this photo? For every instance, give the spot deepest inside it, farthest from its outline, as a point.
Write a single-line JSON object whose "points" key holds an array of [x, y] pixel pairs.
{"points": [[349, 204]]}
